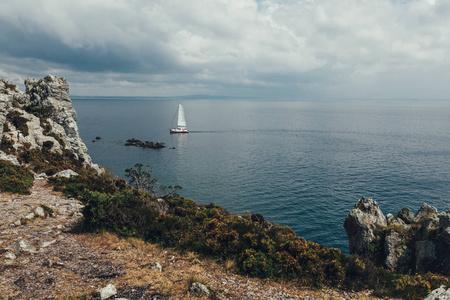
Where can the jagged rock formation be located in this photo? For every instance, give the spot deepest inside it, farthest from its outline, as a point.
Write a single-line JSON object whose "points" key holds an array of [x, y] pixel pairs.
{"points": [[402, 242], [42, 117]]}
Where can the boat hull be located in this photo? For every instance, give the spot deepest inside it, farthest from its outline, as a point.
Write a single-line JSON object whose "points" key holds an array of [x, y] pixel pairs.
{"points": [[176, 130]]}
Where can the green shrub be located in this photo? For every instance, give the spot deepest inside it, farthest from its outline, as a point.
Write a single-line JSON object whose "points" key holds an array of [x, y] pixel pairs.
{"points": [[15, 179], [59, 139], [43, 160], [15, 118], [6, 127], [40, 111], [7, 145]]}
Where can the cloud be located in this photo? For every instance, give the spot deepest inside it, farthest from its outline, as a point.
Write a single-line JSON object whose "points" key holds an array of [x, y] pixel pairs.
{"points": [[321, 48]]}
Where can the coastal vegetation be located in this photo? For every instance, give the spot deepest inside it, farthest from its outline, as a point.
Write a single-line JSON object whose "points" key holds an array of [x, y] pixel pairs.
{"points": [[15, 179], [257, 247]]}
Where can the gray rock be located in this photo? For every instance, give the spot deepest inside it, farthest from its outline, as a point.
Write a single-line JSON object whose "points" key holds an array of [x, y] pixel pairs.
{"points": [[156, 266], [393, 248], [39, 212], [47, 243], [443, 232], [428, 226], [371, 209], [40, 176], [425, 211], [107, 291], [389, 218], [441, 293], [199, 288], [406, 215], [10, 255], [66, 174], [30, 216], [444, 220], [425, 256], [17, 223], [21, 246], [398, 222], [360, 225], [10, 158]]}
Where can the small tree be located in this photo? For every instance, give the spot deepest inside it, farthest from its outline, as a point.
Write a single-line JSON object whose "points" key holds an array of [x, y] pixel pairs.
{"points": [[141, 178]]}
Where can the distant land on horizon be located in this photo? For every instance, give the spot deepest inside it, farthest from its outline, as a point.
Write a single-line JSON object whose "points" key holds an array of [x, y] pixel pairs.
{"points": [[256, 98]]}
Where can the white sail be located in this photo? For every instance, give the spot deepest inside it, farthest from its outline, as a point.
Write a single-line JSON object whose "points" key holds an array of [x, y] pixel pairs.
{"points": [[181, 118], [181, 121]]}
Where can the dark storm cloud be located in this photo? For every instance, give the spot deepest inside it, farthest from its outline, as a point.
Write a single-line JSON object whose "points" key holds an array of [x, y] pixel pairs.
{"points": [[333, 48], [114, 57]]}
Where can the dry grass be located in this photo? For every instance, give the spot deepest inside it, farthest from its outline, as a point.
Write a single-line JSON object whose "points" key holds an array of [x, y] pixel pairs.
{"points": [[181, 270]]}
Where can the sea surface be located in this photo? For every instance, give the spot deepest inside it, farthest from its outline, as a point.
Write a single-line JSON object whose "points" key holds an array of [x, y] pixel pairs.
{"points": [[298, 163]]}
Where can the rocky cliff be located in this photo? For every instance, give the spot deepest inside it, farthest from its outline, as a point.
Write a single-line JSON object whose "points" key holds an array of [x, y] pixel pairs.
{"points": [[42, 117], [402, 242]]}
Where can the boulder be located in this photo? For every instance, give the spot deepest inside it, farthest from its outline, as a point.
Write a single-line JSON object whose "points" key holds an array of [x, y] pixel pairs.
{"points": [[39, 212], [426, 256], [107, 291], [424, 211], [199, 288], [429, 225], [393, 248], [443, 231], [441, 293], [156, 266], [406, 215], [66, 174], [22, 246], [360, 225], [10, 255]]}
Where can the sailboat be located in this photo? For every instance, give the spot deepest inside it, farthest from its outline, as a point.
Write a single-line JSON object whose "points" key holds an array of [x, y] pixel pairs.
{"points": [[181, 121]]}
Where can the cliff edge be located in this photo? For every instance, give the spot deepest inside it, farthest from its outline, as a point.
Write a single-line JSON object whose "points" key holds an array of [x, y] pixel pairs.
{"points": [[42, 117]]}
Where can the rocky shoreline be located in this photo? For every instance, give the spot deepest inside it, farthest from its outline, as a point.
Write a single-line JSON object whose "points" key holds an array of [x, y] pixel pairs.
{"points": [[404, 242]]}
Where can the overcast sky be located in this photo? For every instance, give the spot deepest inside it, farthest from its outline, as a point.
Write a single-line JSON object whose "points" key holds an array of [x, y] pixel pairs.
{"points": [[275, 49]]}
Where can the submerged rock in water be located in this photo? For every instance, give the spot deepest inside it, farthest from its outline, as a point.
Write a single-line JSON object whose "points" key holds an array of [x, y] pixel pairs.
{"points": [[145, 144]]}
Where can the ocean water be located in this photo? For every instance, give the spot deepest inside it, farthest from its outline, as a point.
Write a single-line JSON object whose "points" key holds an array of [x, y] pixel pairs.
{"points": [[298, 163]]}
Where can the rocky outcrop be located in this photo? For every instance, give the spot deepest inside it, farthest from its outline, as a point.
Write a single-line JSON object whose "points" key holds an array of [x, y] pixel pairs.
{"points": [[146, 144], [42, 117], [361, 224], [402, 242]]}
